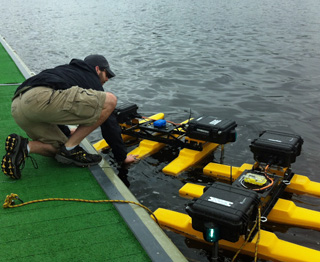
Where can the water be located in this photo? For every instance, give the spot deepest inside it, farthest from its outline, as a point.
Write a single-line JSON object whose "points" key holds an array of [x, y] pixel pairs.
{"points": [[256, 62]]}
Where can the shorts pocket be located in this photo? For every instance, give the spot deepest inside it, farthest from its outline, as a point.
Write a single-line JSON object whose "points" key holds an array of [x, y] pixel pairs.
{"points": [[70, 97], [82, 102]]}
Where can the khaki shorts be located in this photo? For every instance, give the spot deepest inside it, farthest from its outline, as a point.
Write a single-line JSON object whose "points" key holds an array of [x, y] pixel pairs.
{"points": [[39, 110]]}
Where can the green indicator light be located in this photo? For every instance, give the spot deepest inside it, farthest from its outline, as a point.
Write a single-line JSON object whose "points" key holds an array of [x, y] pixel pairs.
{"points": [[211, 233]]}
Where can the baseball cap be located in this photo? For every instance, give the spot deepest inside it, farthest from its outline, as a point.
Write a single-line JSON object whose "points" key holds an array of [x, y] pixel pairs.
{"points": [[101, 61]]}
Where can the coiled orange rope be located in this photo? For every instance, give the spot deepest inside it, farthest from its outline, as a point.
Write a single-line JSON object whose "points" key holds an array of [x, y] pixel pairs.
{"points": [[10, 202]]}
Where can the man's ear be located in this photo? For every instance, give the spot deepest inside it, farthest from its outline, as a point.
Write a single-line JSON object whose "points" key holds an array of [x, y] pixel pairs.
{"points": [[97, 69]]}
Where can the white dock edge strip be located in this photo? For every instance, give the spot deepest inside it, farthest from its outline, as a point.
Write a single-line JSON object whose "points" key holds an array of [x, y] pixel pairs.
{"points": [[19, 63]]}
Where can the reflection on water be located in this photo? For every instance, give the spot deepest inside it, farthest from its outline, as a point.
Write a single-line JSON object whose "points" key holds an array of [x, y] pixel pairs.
{"points": [[254, 62]]}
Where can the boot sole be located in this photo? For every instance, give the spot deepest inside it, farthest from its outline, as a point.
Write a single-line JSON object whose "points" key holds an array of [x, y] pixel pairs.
{"points": [[68, 161], [7, 166]]}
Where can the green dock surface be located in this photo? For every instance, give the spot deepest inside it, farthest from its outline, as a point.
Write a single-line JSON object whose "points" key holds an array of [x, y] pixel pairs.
{"points": [[60, 230]]}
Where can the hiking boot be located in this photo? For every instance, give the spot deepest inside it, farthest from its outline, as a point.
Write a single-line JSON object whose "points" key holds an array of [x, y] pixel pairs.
{"points": [[77, 156], [14, 160]]}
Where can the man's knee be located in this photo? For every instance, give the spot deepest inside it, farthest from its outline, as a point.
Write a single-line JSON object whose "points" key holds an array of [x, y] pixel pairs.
{"points": [[111, 101]]}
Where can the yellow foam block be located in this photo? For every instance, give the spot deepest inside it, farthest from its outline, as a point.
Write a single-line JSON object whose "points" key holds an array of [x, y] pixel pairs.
{"points": [[302, 185], [286, 212], [187, 158], [190, 190], [146, 148], [224, 171]]}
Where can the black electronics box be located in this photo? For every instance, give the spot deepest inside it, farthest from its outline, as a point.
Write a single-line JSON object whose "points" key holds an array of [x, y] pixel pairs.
{"points": [[230, 208], [126, 112], [276, 148], [212, 129]]}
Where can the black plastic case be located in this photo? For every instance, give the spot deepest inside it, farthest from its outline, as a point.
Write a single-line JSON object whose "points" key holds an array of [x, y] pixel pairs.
{"points": [[126, 112], [212, 129], [276, 148], [230, 208]]}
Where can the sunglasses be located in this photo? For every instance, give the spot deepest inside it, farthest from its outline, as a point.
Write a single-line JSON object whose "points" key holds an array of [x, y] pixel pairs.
{"points": [[105, 70]]}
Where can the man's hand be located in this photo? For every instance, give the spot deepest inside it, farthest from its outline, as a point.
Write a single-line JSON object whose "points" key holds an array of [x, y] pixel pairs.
{"points": [[131, 159]]}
